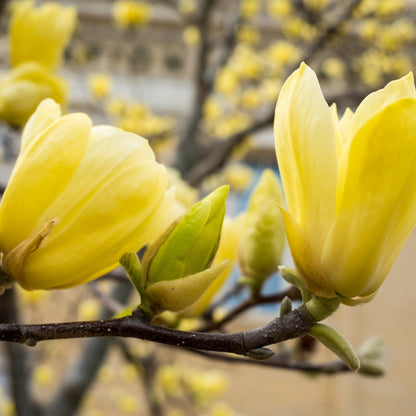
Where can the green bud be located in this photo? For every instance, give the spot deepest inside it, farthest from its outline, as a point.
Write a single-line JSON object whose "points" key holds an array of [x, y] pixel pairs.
{"points": [[336, 342], [291, 276], [285, 306], [371, 368], [263, 239], [176, 268]]}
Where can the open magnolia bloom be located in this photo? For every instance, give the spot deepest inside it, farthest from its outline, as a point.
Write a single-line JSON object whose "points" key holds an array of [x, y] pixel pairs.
{"points": [[40, 34], [350, 185], [78, 198]]}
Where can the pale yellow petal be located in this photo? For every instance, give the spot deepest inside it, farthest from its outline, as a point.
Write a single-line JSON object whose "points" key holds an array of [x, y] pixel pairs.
{"points": [[376, 101], [102, 224], [46, 113], [306, 152], [42, 171], [345, 126], [375, 211], [337, 127], [305, 261], [175, 295]]}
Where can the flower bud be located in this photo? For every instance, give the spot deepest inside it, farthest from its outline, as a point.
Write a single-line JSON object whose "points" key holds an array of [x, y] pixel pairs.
{"points": [[263, 239], [40, 34], [176, 269], [24, 87]]}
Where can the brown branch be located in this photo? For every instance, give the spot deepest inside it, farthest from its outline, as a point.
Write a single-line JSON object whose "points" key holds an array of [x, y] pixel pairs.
{"points": [[292, 325], [330, 368], [17, 361], [214, 158], [251, 302]]}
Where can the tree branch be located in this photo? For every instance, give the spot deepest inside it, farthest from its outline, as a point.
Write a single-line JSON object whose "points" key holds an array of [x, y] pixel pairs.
{"points": [[292, 325]]}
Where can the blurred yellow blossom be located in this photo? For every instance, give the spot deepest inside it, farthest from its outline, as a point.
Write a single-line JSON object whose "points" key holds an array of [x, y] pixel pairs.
{"points": [[238, 176], [316, 5], [100, 84], [250, 98], [187, 6], [333, 68], [368, 29], [279, 8], [185, 194], [23, 87], [231, 124], [104, 195], [130, 13], [127, 404], [248, 34], [32, 297], [88, 310], [296, 28], [106, 374], [41, 33], [191, 35], [282, 53], [388, 7], [129, 373], [250, 8], [212, 108], [43, 375], [205, 386], [226, 81], [269, 89], [7, 407], [170, 377]]}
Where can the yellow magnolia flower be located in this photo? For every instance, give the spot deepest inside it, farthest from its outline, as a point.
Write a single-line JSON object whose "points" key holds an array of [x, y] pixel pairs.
{"points": [[128, 13], [100, 84], [348, 216], [78, 198], [40, 34], [24, 87]]}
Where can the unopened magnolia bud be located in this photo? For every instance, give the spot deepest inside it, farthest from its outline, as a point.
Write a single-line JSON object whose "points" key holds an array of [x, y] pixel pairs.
{"points": [[263, 239], [336, 342], [285, 306], [176, 269]]}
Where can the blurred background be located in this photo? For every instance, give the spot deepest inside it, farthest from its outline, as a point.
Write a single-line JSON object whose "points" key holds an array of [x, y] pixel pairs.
{"points": [[200, 79]]}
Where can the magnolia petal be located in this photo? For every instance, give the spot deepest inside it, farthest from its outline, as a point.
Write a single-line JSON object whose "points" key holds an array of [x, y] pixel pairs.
{"points": [[376, 101], [374, 176], [104, 160], [345, 126], [42, 171], [306, 264], [46, 113], [338, 133], [306, 153], [175, 295], [101, 225]]}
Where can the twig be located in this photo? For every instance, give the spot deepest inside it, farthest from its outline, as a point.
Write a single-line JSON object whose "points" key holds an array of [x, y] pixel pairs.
{"points": [[331, 368], [18, 370], [292, 325], [214, 158], [147, 367], [251, 302], [83, 372]]}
